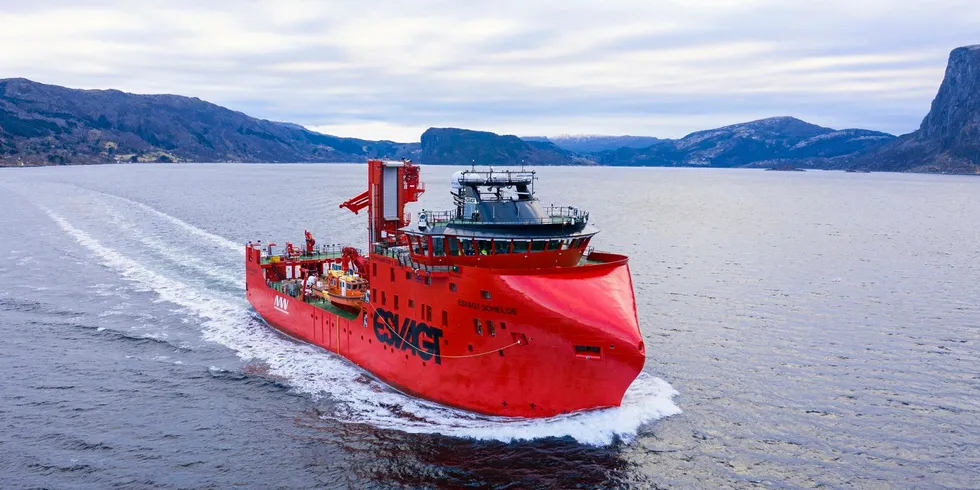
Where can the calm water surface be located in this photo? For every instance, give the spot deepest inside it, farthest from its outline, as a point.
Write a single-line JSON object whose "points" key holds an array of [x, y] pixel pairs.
{"points": [[803, 330]]}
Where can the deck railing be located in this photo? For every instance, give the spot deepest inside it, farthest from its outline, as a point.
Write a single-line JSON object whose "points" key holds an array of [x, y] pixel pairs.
{"points": [[401, 254], [556, 215], [320, 252]]}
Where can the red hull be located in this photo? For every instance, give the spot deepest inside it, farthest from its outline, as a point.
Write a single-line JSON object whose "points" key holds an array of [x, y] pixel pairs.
{"points": [[545, 342]]}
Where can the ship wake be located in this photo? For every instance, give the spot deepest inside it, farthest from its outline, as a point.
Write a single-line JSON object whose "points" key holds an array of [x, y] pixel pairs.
{"points": [[344, 392]]}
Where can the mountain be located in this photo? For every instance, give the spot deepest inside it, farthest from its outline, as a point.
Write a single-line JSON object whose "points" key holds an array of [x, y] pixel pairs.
{"points": [[756, 143], [452, 146], [595, 143], [948, 140], [48, 124]]}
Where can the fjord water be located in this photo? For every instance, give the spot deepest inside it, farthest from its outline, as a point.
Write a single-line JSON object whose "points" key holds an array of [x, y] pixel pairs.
{"points": [[803, 329]]}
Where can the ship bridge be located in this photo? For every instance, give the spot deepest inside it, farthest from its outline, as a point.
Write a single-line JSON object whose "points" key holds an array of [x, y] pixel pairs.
{"points": [[488, 201], [498, 222]]}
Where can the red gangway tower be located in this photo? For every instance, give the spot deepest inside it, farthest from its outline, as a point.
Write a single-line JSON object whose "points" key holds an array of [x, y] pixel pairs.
{"points": [[391, 185]]}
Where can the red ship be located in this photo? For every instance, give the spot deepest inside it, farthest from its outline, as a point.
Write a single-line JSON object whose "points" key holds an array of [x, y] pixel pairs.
{"points": [[498, 307]]}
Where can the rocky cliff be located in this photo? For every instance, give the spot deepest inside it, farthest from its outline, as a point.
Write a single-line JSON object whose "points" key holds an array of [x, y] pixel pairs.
{"points": [[948, 140], [48, 124], [452, 146]]}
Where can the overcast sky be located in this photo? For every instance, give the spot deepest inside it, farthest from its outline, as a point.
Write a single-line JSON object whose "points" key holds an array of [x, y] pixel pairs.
{"points": [[389, 69]]}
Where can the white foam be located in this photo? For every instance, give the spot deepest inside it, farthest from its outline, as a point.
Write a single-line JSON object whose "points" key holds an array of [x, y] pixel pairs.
{"points": [[217, 239], [181, 257], [228, 321]]}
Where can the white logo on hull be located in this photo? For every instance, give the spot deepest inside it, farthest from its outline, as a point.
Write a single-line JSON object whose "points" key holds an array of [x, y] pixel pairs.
{"points": [[281, 304]]}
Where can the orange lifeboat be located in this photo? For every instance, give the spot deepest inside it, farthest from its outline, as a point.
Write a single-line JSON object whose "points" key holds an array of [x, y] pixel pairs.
{"points": [[343, 289]]}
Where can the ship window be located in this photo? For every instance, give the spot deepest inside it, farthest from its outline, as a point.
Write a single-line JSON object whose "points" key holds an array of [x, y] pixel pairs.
{"points": [[416, 248], [384, 298], [553, 245], [485, 294], [467, 246], [411, 303], [374, 293], [503, 326], [374, 270], [425, 245], [585, 242], [428, 280], [538, 245], [453, 246], [491, 329], [392, 274], [408, 275], [577, 243], [445, 318], [452, 287], [484, 247], [428, 313], [396, 301], [438, 246], [588, 351], [501, 246], [520, 246], [478, 326]]}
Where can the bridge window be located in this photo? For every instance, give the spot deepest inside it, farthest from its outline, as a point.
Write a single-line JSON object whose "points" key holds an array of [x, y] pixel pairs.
{"points": [[478, 326], [467, 245], [416, 248], [554, 244], [484, 247], [577, 242], [566, 243], [453, 246], [438, 246], [538, 245], [521, 246], [501, 246]]}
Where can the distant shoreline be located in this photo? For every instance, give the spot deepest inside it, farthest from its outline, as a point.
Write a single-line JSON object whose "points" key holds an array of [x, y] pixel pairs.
{"points": [[679, 167]]}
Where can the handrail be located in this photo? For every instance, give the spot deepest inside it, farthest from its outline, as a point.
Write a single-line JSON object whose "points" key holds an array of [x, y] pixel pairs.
{"points": [[557, 215], [402, 255], [320, 252]]}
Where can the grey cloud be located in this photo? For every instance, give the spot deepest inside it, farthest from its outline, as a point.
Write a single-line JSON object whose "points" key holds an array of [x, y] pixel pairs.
{"points": [[482, 87]]}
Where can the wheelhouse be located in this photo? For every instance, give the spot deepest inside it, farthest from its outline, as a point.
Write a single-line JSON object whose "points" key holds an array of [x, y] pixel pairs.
{"points": [[498, 222]]}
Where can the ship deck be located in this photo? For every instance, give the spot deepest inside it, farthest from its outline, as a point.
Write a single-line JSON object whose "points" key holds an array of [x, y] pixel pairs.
{"points": [[321, 303]]}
